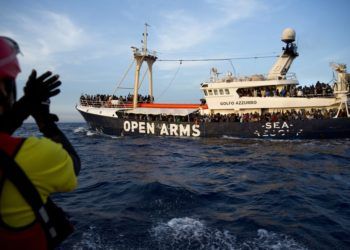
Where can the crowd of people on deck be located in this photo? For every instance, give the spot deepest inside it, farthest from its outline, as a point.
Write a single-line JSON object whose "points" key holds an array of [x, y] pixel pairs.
{"points": [[272, 117], [234, 117], [101, 99], [318, 89]]}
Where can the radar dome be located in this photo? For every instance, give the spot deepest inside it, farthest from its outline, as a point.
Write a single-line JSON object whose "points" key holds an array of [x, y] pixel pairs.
{"points": [[288, 35]]}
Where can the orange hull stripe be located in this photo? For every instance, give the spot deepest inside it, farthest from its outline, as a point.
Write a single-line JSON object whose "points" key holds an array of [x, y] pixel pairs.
{"points": [[165, 105], [169, 105]]}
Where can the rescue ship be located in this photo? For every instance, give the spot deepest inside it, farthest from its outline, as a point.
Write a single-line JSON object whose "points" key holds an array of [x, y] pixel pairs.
{"points": [[271, 106]]}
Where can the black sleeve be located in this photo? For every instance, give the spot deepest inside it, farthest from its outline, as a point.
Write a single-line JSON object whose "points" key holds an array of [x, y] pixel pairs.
{"points": [[14, 119], [51, 131]]}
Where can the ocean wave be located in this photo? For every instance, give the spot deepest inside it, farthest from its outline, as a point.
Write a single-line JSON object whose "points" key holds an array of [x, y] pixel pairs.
{"points": [[91, 239], [79, 130], [84, 131], [189, 233], [272, 240], [207, 193], [91, 133]]}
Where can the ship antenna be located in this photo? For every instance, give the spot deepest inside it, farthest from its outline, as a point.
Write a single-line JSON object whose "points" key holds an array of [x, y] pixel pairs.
{"points": [[144, 41]]}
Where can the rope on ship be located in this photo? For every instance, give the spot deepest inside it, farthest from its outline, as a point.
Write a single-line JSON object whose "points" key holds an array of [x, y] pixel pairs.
{"points": [[125, 74], [229, 59], [143, 78], [233, 68], [171, 81], [187, 60], [216, 59], [206, 60]]}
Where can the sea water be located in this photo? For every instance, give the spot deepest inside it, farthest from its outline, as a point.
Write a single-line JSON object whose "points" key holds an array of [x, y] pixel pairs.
{"points": [[219, 193]]}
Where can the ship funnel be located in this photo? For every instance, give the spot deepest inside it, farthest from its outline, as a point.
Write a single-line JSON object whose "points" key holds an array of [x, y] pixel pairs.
{"points": [[288, 35]]}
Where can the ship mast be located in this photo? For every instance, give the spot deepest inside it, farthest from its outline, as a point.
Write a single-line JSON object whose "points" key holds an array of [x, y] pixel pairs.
{"points": [[140, 57], [144, 41]]}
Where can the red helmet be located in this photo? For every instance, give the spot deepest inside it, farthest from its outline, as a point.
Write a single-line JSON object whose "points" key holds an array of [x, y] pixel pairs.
{"points": [[9, 66]]}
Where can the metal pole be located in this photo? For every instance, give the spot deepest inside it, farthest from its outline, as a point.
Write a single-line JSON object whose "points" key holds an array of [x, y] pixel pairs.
{"points": [[150, 77], [139, 61]]}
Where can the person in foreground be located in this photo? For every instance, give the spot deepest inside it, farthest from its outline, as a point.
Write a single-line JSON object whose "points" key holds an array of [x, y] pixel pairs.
{"points": [[32, 168]]}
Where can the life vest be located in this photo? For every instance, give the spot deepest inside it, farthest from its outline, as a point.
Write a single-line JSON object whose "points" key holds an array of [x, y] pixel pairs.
{"points": [[43, 233]]}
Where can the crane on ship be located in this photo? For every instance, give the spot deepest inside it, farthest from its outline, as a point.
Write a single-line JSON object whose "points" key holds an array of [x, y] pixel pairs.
{"points": [[341, 86]]}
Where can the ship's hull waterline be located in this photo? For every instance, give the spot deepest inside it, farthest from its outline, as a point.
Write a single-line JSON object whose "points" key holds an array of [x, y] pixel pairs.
{"points": [[295, 129]]}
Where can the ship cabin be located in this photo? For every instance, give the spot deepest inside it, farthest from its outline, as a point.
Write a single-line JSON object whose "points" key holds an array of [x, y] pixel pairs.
{"points": [[246, 94], [278, 91]]}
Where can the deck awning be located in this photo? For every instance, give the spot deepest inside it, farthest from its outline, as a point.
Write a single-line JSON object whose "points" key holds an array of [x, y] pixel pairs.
{"points": [[162, 111]]}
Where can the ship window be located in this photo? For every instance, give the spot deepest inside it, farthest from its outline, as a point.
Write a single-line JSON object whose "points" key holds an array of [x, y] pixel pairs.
{"points": [[221, 91], [205, 92], [215, 92], [227, 92], [210, 91]]}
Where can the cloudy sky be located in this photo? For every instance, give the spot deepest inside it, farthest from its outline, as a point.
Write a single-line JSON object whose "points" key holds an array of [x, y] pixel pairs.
{"points": [[88, 42]]}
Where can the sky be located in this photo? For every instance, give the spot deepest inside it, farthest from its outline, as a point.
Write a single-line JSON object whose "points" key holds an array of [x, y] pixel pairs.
{"points": [[88, 42]]}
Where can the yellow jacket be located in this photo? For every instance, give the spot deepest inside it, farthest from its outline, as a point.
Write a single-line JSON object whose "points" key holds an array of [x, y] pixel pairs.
{"points": [[48, 166]]}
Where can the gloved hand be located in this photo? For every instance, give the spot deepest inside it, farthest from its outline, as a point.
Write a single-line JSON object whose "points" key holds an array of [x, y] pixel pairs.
{"points": [[37, 90], [42, 88]]}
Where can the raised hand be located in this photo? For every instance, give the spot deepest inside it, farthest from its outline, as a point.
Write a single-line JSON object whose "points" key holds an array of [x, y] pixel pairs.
{"points": [[39, 89]]}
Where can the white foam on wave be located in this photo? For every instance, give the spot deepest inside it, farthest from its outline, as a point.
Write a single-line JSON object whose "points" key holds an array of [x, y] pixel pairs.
{"points": [[79, 130], [189, 233], [264, 139], [114, 137], [91, 240], [90, 133], [232, 137], [84, 130], [275, 241]]}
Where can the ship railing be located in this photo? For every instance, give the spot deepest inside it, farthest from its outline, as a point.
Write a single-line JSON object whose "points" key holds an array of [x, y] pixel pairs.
{"points": [[104, 104], [142, 52], [291, 76], [257, 77]]}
